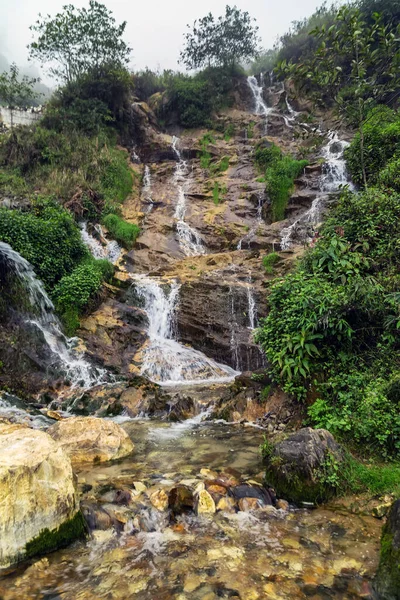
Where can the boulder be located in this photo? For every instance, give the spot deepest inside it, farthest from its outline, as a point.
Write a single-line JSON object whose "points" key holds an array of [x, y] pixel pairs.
{"points": [[39, 507], [299, 466], [387, 580], [89, 439], [180, 499]]}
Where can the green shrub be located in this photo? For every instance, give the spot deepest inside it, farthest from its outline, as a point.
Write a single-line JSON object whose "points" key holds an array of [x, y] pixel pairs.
{"points": [[79, 288], [47, 237], [116, 178], [191, 101], [269, 261], [120, 230], [266, 156]]}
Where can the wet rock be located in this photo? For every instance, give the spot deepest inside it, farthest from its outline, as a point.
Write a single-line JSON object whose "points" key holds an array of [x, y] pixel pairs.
{"points": [[282, 505], [36, 493], [247, 491], [295, 464], [387, 580], [180, 499], [205, 504], [218, 490], [89, 439], [96, 517], [159, 500], [181, 408], [123, 497], [227, 504], [247, 504]]}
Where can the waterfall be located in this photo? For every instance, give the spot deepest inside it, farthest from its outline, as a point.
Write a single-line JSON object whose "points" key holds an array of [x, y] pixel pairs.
{"points": [[110, 250], [260, 106], [79, 372], [234, 326], [146, 189], [165, 360], [252, 306], [334, 175], [258, 221], [189, 239]]}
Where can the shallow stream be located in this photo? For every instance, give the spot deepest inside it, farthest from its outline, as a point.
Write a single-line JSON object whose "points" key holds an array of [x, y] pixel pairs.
{"points": [[317, 554]]}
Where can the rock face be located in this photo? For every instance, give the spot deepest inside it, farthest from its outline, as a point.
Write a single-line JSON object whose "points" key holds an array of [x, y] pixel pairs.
{"points": [[39, 508], [298, 466], [387, 580], [89, 439]]}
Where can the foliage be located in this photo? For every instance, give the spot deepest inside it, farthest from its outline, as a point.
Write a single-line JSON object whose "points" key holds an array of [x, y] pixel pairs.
{"points": [[77, 289], [120, 230], [381, 144], [356, 65], [47, 237], [190, 99], [331, 320], [269, 261], [79, 40], [228, 40], [280, 173], [148, 82], [265, 63], [15, 90]]}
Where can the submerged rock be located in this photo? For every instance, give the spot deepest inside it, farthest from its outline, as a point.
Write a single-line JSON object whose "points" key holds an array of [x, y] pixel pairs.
{"points": [[298, 467], [180, 499], [387, 580], [39, 508], [205, 503], [89, 439]]}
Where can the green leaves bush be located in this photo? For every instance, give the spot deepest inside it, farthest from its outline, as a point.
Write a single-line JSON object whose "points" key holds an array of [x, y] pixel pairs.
{"points": [[332, 327], [120, 230]]}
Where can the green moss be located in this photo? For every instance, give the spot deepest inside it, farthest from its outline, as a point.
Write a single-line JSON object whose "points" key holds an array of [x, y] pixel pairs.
{"points": [[48, 541], [387, 582], [123, 232]]}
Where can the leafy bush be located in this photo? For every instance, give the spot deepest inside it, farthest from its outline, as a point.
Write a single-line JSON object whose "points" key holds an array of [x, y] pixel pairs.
{"points": [[269, 261], [191, 101], [332, 320], [381, 145], [47, 237], [120, 230]]}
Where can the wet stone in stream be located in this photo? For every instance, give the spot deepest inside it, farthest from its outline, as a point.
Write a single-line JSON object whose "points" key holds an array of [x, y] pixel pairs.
{"points": [[166, 524]]}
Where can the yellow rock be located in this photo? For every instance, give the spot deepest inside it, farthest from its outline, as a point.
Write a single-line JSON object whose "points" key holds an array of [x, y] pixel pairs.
{"points": [[159, 500], [227, 504], [205, 503]]}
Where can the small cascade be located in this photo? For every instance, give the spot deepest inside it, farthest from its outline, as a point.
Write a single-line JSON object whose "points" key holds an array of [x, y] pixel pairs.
{"points": [[248, 238], [76, 369], [334, 176], [165, 360], [109, 250], [252, 306], [260, 106], [234, 327], [189, 239], [146, 189]]}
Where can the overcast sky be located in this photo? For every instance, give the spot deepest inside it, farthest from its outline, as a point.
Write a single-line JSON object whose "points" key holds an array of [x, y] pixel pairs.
{"points": [[154, 27]]}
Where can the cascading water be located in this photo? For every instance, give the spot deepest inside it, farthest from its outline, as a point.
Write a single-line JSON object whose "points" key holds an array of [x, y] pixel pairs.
{"points": [[260, 106], [189, 239], [334, 176], [76, 369], [165, 360], [234, 327], [110, 250], [146, 189], [252, 306]]}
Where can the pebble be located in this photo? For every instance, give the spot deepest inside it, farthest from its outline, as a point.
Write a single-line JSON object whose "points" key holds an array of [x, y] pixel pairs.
{"points": [[205, 503], [159, 500]]}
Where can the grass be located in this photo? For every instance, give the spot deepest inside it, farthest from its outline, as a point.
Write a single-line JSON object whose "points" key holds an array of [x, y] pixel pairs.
{"points": [[376, 479], [269, 261], [125, 233]]}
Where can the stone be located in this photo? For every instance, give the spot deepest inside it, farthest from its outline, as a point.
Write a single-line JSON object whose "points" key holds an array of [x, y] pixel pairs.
{"points": [[227, 504], [219, 490], [39, 507], [246, 504], [294, 465], [255, 492], [381, 510], [208, 473], [139, 486], [89, 439], [282, 505], [387, 579], [205, 503], [159, 500], [96, 517], [180, 499]]}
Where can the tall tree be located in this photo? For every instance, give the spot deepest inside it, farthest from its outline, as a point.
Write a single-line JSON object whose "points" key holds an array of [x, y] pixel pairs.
{"points": [[357, 65], [77, 40], [16, 91], [224, 41]]}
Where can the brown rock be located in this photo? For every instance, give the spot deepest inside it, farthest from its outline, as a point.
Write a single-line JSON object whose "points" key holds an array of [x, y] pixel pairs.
{"points": [[213, 488], [180, 499], [227, 504], [246, 504], [159, 500]]}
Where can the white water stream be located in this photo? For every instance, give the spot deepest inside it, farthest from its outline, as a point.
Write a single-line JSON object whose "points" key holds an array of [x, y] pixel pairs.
{"points": [[77, 370], [146, 189], [260, 106], [99, 246], [189, 239], [165, 360]]}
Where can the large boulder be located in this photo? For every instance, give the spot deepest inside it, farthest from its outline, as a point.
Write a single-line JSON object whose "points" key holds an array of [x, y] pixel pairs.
{"points": [[39, 506], [89, 439], [387, 580], [302, 467]]}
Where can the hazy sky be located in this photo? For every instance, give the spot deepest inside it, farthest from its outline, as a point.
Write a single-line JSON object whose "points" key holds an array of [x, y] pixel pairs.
{"points": [[154, 27]]}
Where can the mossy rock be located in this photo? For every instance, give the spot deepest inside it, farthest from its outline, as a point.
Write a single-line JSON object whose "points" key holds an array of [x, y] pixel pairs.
{"points": [[387, 580], [303, 466], [48, 541]]}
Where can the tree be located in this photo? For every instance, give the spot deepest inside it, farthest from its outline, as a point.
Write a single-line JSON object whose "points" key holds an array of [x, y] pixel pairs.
{"points": [[222, 42], [78, 40], [16, 91], [357, 65]]}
